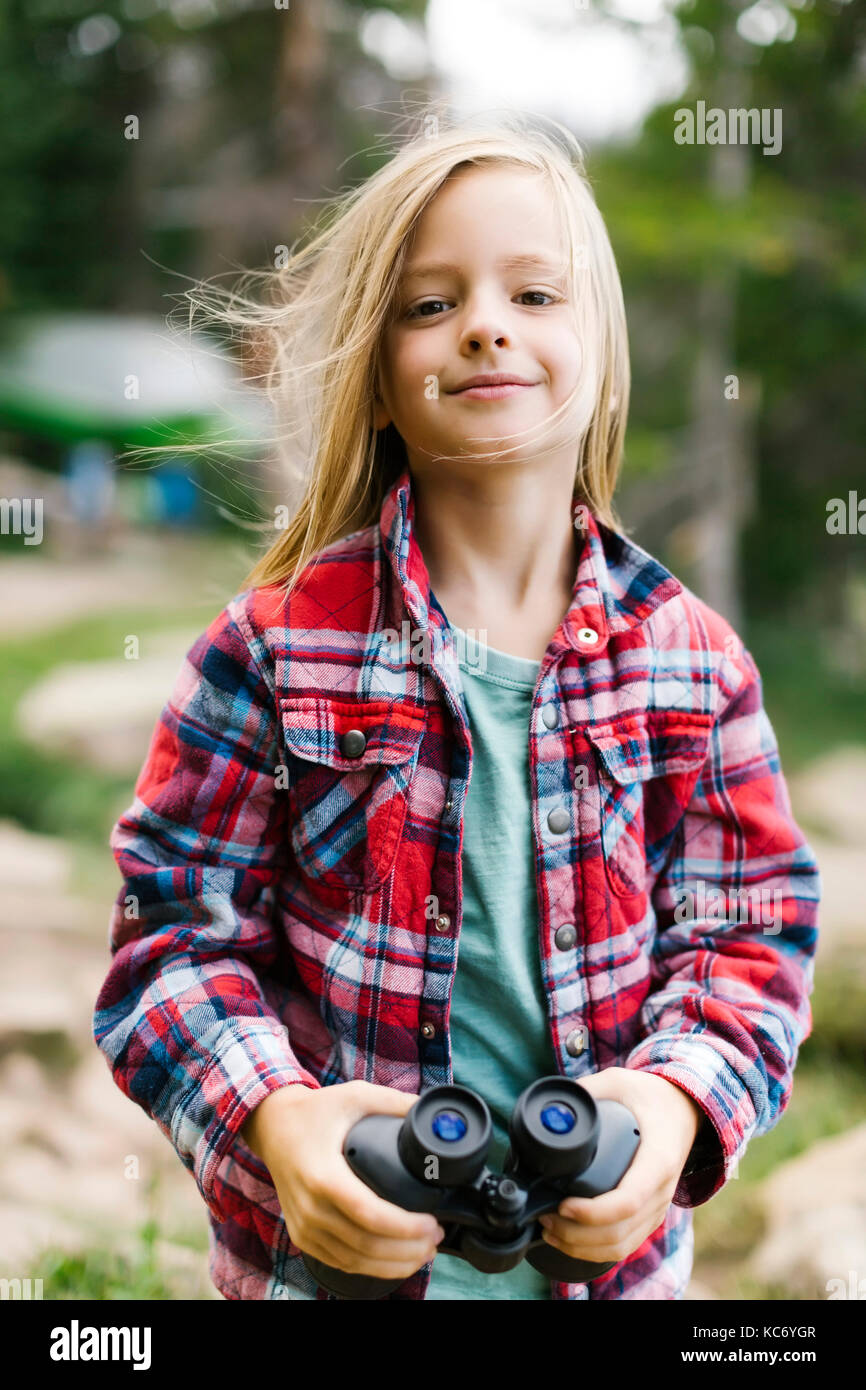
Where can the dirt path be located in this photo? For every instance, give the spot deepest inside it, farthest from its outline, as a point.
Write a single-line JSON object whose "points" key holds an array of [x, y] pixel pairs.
{"points": [[137, 570]]}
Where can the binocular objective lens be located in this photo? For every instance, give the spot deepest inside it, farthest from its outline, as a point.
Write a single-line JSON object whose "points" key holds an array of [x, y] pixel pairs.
{"points": [[449, 1126], [558, 1118]]}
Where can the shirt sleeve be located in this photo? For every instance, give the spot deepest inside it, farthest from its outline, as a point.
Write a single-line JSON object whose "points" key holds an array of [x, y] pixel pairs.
{"points": [[182, 1017], [733, 959]]}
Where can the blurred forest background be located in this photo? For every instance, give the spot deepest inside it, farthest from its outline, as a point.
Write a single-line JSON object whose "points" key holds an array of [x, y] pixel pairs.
{"points": [[744, 277]]}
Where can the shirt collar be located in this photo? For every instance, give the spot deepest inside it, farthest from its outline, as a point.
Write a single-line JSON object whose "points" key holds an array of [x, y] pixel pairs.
{"points": [[617, 585]]}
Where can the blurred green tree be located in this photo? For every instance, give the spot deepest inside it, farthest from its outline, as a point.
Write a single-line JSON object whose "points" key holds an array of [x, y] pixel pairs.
{"points": [[187, 132], [792, 252]]}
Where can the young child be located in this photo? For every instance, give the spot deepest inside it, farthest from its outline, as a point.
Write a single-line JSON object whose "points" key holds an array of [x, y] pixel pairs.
{"points": [[475, 791]]}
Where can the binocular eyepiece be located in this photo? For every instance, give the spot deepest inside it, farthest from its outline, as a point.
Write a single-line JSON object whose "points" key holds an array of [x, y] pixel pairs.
{"points": [[554, 1129]]}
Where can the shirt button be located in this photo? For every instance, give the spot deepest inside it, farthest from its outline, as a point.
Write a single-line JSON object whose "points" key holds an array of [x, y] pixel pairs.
{"points": [[587, 636], [442, 922], [575, 1042], [449, 804], [558, 821], [565, 937], [550, 715], [428, 1031], [353, 743]]}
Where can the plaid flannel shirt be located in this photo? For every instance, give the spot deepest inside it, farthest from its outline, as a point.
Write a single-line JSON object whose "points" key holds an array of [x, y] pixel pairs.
{"points": [[290, 914]]}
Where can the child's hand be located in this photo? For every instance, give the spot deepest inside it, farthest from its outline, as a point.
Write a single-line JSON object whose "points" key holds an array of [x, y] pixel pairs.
{"points": [[330, 1213], [612, 1226]]}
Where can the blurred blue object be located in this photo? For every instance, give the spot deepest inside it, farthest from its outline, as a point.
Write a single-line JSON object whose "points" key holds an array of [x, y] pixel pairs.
{"points": [[90, 481], [177, 498]]}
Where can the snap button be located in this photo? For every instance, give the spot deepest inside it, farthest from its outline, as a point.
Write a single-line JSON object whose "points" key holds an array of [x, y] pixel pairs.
{"points": [[449, 804], [565, 936], [588, 636], [427, 1030], [575, 1042], [353, 743], [442, 922], [550, 715], [558, 820]]}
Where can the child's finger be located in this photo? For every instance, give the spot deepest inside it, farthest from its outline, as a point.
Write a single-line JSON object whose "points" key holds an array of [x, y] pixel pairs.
{"points": [[606, 1243], [391, 1264], [361, 1207], [640, 1188], [384, 1239]]}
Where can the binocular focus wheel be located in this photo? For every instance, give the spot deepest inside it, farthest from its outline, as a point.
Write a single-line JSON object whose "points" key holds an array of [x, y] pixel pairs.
{"points": [[444, 1138], [555, 1127]]}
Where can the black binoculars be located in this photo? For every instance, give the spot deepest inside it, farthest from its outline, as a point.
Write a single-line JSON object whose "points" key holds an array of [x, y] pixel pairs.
{"points": [[563, 1143]]}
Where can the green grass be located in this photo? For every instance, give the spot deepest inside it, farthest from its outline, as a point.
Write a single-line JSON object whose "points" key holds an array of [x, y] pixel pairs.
{"points": [[102, 1275]]}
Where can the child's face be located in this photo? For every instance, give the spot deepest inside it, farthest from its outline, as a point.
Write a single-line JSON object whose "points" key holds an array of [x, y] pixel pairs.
{"points": [[482, 316]]}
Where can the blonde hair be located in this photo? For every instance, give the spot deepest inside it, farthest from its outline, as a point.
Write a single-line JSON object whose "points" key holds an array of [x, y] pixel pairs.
{"points": [[318, 338]]}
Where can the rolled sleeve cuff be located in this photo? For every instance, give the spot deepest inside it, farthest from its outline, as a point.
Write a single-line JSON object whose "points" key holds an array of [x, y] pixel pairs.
{"points": [[250, 1060], [730, 1117]]}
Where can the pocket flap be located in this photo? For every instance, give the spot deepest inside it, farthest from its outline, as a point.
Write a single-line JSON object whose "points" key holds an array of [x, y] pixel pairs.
{"points": [[315, 725], [652, 743]]}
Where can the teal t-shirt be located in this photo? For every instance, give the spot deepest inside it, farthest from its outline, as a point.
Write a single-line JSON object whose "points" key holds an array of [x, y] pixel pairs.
{"points": [[498, 1022]]}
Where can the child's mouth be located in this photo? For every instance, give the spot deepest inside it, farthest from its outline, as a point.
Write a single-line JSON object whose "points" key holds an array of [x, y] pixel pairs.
{"points": [[492, 393]]}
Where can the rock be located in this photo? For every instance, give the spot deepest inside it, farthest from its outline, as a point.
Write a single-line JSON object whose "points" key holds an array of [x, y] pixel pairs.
{"points": [[842, 909], [80, 1161], [27, 1230], [699, 1292], [40, 909], [27, 859], [821, 1247], [830, 792], [30, 1003], [104, 712], [48, 985], [815, 1210], [35, 871]]}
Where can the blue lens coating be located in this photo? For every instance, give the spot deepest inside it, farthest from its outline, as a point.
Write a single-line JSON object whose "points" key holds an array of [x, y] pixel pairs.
{"points": [[449, 1126], [558, 1118]]}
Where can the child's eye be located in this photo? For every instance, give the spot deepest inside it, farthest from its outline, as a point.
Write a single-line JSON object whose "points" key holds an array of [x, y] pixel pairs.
{"points": [[425, 304], [540, 294], [418, 310]]}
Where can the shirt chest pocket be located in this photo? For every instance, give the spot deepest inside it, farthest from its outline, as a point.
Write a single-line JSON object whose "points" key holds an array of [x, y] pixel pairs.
{"points": [[349, 764], [646, 767]]}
